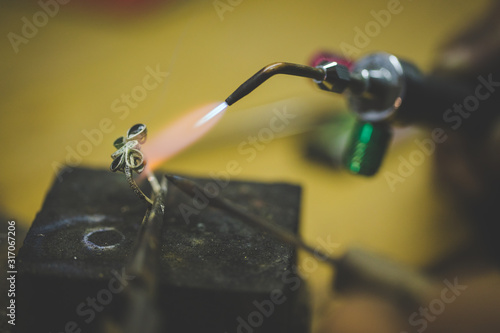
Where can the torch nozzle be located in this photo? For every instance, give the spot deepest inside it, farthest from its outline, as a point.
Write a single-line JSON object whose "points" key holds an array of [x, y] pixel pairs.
{"points": [[265, 73]]}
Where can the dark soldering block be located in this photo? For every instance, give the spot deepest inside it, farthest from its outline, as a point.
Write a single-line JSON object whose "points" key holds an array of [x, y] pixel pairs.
{"points": [[216, 273]]}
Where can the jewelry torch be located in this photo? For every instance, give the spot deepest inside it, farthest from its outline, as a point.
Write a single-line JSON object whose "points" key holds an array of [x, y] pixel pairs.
{"points": [[383, 90]]}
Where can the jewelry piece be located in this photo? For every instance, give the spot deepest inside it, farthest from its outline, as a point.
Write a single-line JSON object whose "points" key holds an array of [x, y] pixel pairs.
{"points": [[129, 158]]}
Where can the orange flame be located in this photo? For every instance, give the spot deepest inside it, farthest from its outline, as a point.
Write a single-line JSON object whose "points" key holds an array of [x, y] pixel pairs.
{"points": [[183, 132]]}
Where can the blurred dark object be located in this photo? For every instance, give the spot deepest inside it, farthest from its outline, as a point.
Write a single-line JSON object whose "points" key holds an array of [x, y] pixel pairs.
{"points": [[215, 273], [361, 271], [468, 162], [475, 50]]}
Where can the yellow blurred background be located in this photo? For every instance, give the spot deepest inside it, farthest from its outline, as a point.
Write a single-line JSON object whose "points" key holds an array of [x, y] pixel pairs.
{"points": [[73, 71]]}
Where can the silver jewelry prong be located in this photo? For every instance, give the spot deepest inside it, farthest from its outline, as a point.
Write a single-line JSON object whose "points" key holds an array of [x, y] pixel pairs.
{"points": [[133, 185]]}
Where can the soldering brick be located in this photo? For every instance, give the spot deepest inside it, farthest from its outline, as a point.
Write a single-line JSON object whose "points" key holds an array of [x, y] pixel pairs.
{"points": [[216, 273]]}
